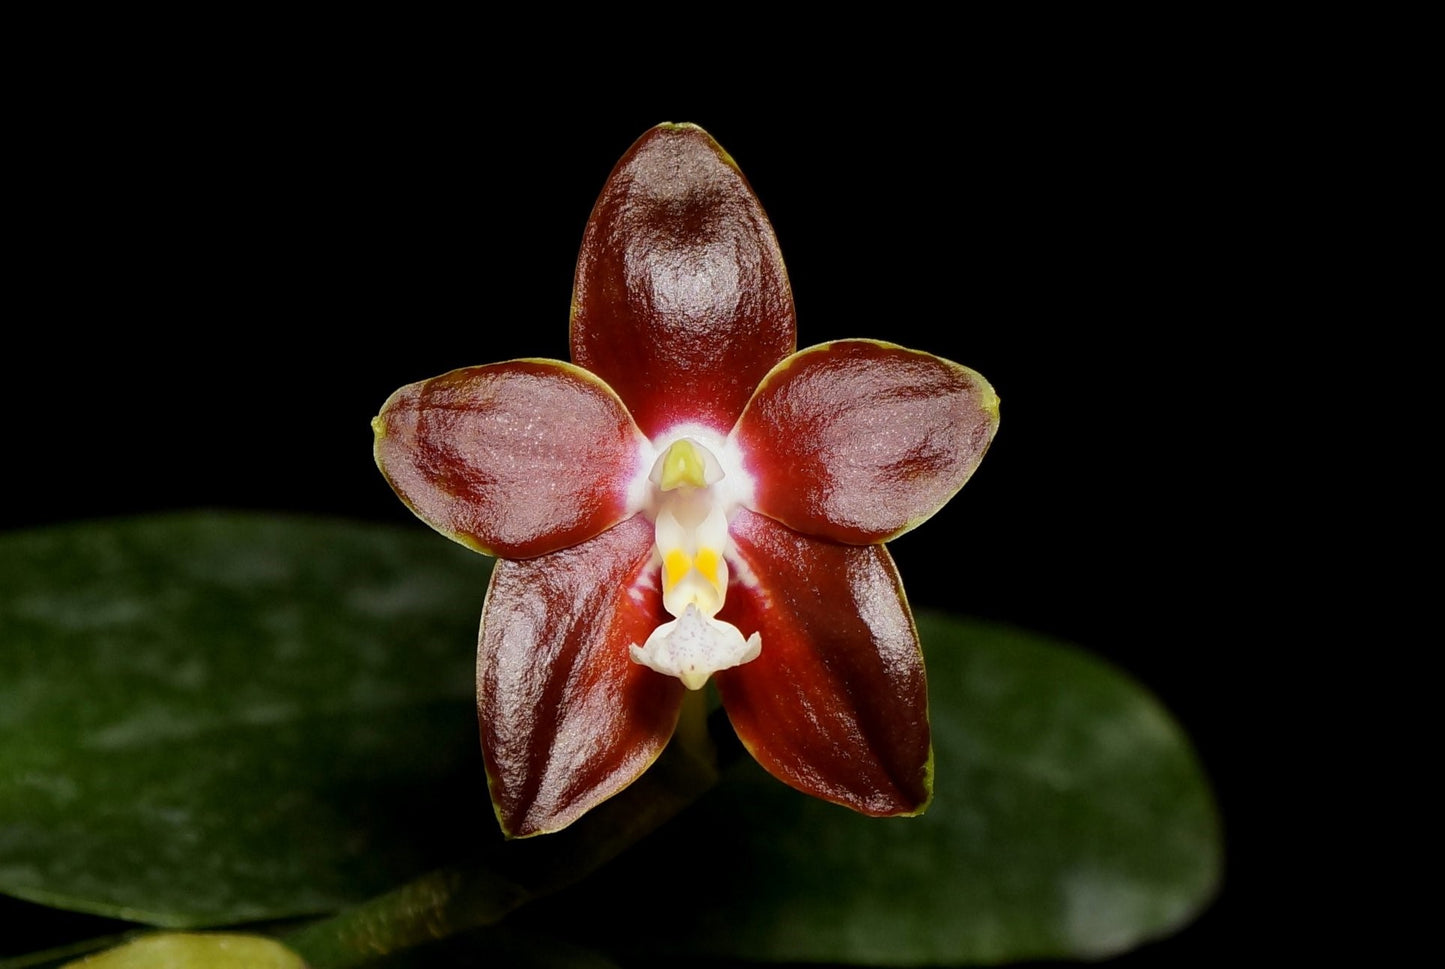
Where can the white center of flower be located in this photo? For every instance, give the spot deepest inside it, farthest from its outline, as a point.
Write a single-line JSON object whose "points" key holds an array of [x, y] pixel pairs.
{"points": [[692, 542]]}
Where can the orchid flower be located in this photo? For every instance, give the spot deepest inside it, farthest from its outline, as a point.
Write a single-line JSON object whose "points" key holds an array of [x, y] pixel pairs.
{"points": [[691, 499]]}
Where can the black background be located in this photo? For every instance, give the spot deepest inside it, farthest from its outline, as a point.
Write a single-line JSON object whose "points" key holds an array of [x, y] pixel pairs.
{"points": [[225, 273]]}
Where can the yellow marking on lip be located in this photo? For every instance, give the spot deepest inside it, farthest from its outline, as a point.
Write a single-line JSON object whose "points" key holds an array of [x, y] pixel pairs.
{"points": [[682, 465], [675, 565], [706, 563]]}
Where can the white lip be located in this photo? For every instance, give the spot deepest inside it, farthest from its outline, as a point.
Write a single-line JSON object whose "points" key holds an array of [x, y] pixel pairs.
{"points": [[692, 553]]}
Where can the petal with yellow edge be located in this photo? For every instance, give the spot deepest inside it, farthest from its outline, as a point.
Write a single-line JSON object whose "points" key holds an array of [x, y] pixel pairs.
{"points": [[859, 440], [836, 704], [567, 718], [513, 459], [680, 301]]}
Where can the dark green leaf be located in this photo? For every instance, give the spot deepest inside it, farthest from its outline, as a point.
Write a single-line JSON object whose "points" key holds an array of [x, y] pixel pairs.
{"points": [[206, 719], [1070, 819]]}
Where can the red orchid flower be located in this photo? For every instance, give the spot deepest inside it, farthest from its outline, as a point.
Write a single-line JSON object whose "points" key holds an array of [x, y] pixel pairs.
{"points": [[691, 498]]}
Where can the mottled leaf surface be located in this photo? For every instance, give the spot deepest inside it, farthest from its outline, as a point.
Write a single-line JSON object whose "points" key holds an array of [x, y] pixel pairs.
{"points": [[206, 719], [1070, 819]]}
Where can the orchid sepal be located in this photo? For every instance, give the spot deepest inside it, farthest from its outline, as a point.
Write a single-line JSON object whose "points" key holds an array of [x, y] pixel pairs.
{"points": [[681, 301]]}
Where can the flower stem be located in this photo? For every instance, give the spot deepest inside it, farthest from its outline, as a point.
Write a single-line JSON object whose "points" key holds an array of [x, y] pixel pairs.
{"points": [[456, 899], [692, 733]]}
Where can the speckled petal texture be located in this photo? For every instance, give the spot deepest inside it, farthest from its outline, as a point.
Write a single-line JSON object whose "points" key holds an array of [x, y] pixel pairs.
{"points": [[859, 440], [567, 718], [837, 704], [513, 459], [680, 302]]}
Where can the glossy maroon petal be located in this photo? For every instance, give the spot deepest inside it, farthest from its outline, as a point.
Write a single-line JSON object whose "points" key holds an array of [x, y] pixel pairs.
{"points": [[859, 440], [567, 718], [514, 459], [681, 302], [836, 704]]}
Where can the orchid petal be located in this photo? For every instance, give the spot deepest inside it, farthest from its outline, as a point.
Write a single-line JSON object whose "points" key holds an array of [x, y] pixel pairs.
{"points": [[567, 718], [859, 441], [514, 459], [836, 704], [681, 302]]}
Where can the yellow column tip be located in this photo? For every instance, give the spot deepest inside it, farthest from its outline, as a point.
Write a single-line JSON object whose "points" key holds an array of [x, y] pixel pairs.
{"points": [[682, 465]]}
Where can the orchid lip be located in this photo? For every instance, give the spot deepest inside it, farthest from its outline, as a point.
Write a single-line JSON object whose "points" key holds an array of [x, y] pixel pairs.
{"points": [[694, 484], [693, 647]]}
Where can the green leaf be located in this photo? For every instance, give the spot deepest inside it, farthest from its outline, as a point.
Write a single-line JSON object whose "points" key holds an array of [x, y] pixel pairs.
{"points": [[206, 719], [181, 950], [1070, 819]]}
